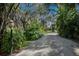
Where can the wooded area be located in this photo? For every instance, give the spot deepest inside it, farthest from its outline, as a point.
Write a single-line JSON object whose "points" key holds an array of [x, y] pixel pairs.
{"points": [[21, 23]]}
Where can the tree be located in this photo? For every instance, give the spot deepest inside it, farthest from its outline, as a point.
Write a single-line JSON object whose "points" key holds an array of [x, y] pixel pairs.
{"points": [[67, 21], [5, 10]]}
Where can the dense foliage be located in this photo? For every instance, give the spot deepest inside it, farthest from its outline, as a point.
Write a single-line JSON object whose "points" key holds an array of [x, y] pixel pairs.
{"points": [[67, 24], [12, 40], [15, 38], [33, 30], [18, 29]]}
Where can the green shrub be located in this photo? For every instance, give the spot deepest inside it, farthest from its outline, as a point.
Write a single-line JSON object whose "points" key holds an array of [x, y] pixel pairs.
{"points": [[34, 30], [67, 23], [13, 42]]}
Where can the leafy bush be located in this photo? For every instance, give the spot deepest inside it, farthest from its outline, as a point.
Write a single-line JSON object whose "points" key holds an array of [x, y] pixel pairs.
{"points": [[34, 30], [13, 42], [67, 23]]}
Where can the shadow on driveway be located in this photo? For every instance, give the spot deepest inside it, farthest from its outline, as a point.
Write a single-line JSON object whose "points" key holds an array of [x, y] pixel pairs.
{"points": [[51, 45]]}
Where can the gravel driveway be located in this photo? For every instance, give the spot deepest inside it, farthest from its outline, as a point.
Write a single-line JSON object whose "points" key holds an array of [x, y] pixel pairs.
{"points": [[51, 45]]}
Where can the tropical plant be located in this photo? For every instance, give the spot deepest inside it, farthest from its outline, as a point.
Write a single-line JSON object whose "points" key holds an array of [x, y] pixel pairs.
{"points": [[34, 30], [67, 22]]}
